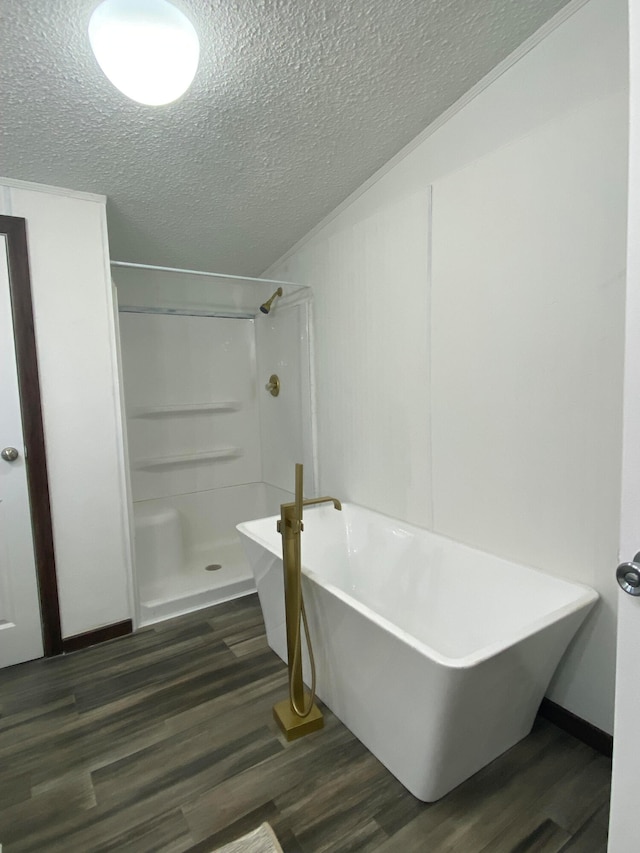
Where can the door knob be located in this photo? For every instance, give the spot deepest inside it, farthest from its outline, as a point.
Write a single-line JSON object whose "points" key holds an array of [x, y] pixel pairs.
{"points": [[9, 454], [628, 576]]}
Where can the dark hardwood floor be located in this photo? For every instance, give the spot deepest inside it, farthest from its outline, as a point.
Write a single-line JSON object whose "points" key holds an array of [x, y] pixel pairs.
{"points": [[164, 741]]}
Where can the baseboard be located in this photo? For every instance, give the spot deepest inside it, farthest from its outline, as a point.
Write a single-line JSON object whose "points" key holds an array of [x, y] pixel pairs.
{"points": [[576, 726], [99, 635]]}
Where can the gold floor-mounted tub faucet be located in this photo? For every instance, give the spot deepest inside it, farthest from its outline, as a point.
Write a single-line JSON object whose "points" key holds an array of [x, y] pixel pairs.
{"points": [[295, 716]]}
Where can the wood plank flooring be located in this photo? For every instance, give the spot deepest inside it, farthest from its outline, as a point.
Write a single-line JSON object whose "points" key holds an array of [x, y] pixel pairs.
{"points": [[164, 741]]}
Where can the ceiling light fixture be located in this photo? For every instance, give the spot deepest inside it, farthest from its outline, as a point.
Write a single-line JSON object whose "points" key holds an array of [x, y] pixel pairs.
{"points": [[147, 48]]}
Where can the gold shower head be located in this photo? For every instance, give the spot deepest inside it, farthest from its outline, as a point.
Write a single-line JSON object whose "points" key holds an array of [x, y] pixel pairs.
{"points": [[266, 306]]}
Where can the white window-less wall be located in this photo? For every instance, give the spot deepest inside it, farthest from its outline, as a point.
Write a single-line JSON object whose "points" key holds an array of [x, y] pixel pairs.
{"points": [[74, 323]]}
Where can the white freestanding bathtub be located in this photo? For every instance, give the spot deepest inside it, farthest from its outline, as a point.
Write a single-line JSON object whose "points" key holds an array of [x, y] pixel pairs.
{"points": [[435, 655]]}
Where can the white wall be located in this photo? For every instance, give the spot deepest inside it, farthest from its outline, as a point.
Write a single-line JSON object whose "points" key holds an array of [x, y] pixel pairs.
{"points": [[371, 342], [489, 409], [73, 311]]}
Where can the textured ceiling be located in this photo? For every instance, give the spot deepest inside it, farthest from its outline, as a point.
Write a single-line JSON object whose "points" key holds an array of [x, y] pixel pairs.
{"points": [[295, 104]]}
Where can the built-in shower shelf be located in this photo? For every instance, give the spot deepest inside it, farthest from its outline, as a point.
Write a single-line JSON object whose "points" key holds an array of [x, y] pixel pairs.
{"points": [[155, 462], [185, 409]]}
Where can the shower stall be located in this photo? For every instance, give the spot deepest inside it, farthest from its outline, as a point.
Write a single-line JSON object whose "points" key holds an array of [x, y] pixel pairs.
{"points": [[218, 404]]}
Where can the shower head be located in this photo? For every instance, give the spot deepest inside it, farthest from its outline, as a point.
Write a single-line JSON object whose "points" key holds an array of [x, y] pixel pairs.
{"points": [[266, 306]]}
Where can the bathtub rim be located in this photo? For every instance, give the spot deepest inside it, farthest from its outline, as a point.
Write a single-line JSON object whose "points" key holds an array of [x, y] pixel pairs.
{"points": [[587, 599]]}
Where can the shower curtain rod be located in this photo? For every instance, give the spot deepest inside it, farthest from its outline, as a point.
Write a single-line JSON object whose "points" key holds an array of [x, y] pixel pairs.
{"points": [[201, 272]]}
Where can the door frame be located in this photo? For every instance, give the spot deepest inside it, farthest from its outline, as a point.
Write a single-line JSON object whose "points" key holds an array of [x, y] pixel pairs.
{"points": [[15, 230]]}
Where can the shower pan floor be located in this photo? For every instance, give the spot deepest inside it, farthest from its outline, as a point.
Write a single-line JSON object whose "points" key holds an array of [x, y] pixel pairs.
{"points": [[194, 585]]}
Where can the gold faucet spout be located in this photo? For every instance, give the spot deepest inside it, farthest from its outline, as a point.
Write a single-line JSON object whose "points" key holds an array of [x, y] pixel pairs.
{"points": [[325, 500], [289, 517]]}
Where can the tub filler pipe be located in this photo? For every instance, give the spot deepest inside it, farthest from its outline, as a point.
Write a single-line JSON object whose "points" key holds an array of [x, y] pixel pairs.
{"points": [[297, 716]]}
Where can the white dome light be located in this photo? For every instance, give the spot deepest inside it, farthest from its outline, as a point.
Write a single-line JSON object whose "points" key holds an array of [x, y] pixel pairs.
{"points": [[147, 48]]}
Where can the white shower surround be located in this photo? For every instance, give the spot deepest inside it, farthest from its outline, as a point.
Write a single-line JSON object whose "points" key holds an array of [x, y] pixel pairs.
{"points": [[208, 445], [435, 655]]}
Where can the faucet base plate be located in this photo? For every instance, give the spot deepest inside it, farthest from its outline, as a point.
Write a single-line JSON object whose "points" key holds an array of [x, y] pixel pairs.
{"points": [[291, 725]]}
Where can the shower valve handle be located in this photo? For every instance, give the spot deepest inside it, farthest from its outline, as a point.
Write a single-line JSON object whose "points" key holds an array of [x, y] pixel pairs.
{"points": [[273, 385]]}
